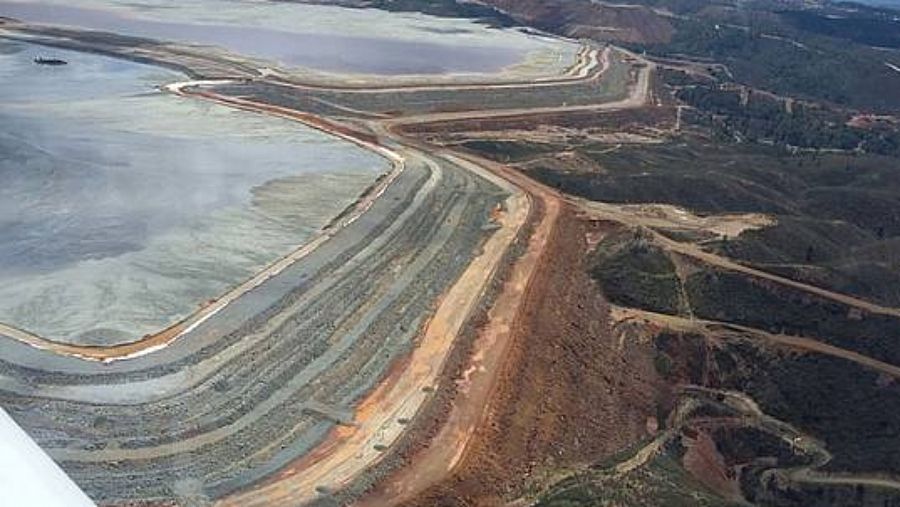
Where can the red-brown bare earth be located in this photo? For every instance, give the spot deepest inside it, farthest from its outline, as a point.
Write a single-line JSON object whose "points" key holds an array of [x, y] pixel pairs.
{"points": [[566, 395]]}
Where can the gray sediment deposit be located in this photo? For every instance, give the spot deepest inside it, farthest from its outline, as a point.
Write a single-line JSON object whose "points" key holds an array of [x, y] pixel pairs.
{"points": [[123, 209]]}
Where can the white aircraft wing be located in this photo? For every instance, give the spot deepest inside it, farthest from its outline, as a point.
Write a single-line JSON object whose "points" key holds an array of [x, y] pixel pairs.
{"points": [[28, 477]]}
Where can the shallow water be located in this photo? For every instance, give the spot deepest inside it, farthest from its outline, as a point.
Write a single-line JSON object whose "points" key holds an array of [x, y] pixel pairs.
{"points": [[356, 41], [122, 208]]}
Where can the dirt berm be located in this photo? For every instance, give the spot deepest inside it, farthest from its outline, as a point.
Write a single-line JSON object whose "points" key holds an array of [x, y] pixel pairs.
{"points": [[568, 396]]}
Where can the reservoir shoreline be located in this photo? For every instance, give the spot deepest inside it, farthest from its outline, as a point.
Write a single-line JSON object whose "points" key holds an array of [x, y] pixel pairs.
{"points": [[173, 330]]}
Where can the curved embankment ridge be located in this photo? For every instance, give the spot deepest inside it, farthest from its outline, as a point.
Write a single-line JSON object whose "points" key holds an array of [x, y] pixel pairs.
{"points": [[348, 452], [353, 448], [357, 445]]}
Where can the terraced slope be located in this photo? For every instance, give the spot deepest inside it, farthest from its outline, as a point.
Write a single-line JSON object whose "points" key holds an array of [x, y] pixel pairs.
{"points": [[254, 388]]}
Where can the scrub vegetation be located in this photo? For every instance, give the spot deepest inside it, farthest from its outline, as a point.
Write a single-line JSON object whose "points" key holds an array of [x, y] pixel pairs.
{"points": [[773, 346]]}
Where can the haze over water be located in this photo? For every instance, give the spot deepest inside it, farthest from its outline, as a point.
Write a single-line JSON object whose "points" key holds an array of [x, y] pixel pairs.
{"points": [[324, 38], [122, 208]]}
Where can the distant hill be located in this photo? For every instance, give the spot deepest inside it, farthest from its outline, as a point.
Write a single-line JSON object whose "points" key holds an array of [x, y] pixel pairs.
{"points": [[882, 3]]}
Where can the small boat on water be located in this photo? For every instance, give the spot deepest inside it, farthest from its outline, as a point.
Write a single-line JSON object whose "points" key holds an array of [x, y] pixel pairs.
{"points": [[50, 61]]}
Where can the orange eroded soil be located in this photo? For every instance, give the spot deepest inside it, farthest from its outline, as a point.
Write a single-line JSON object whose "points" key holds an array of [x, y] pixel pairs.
{"points": [[703, 461], [563, 396]]}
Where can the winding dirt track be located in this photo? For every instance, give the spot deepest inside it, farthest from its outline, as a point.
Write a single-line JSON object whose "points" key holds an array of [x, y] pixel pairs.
{"points": [[726, 329], [753, 416], [617, 214]]}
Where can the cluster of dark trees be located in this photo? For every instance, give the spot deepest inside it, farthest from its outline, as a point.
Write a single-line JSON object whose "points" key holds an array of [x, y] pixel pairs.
{"points": [[775, 51], [762, 118], [866, 25], [448, 8]]}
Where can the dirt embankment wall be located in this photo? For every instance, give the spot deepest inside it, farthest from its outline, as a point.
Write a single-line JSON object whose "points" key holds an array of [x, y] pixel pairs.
{"points": [[569, 395]]}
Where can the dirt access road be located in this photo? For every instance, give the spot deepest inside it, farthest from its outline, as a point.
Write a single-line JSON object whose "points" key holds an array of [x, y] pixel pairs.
{"points": [[636, 216], [724, 330]]}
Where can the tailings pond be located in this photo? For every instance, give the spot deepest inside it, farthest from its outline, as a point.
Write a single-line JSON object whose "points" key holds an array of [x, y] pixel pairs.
{"points": [[123, 209], [319, 37]]}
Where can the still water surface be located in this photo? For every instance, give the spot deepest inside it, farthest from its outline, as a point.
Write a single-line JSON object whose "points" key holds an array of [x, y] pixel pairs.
{"points": [[370, 42], [122, 208]]}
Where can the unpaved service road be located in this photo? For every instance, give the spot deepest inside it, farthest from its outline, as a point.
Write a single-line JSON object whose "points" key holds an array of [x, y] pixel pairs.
{"points": [[448, 447]]}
